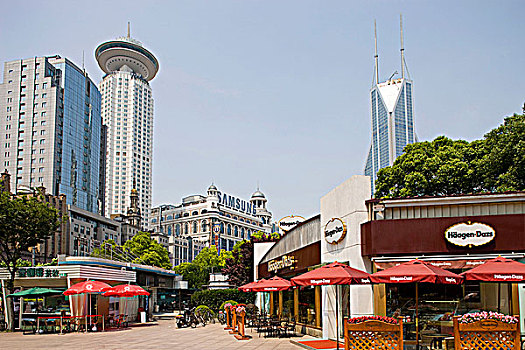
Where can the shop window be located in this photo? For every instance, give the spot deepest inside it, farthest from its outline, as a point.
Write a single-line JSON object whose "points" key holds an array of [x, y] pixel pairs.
{"points": [[307, 307]]}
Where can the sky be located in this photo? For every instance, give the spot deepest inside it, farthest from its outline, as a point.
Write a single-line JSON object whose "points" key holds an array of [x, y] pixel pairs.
{"points": [[276, 93]]}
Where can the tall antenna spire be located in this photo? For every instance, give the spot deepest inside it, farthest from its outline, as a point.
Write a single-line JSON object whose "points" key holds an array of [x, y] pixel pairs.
{"points": [[129, 31], [376, 56], [402, 47]]}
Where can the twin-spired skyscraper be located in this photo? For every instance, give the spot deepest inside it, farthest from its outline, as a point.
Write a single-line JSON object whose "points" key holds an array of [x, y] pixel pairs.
{"points": [[127, 111], [392, 117]]}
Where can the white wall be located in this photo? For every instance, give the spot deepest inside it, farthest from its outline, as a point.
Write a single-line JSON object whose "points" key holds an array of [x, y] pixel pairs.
{"points": [[259, 251], [347, 202]]}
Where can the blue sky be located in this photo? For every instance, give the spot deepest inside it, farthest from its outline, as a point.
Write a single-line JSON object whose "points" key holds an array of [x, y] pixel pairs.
{"points": [[276, 92]]}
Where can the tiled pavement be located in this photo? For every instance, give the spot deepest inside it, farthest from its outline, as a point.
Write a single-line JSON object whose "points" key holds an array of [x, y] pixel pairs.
{"points": [[165, 335]]}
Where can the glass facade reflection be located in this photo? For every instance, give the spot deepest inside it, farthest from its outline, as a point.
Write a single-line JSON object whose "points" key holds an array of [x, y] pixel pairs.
{"points": [[80, 166], [392, 124]]}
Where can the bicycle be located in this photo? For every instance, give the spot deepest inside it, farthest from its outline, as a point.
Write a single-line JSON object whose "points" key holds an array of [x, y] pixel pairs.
{"points": [[222, 317]]}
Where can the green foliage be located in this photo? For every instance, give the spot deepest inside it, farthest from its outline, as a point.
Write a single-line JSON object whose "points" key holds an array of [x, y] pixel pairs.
{"points": [[148, 251], [232, 302], [25, 222], [215, 299], [197, 273], [503, 164], [261, 236], [203, 309], [449, 167], [239, 267], [19, 263], [53, 262]]}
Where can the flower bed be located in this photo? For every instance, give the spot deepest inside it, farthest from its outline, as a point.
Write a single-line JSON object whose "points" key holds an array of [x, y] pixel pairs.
{"points": [[372, 318], [484, 315]]}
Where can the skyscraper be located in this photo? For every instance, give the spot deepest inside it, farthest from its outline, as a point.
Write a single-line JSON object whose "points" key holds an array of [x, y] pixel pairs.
{"points": [[50, 129], [127, 110], [392, 113]]}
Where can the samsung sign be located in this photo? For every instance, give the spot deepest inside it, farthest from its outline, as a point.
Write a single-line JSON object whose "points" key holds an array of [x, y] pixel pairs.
{"points": [[236, 203], [470, 234]]}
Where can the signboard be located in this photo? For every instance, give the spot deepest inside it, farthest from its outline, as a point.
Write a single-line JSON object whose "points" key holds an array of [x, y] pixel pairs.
{"points": [[278, 264], [469, 234], [334, 231], [38, 272], [289, 222], [236, 203]]}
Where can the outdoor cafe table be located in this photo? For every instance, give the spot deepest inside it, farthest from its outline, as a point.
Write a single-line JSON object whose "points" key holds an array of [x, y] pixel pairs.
{"points": [[65, 318]]}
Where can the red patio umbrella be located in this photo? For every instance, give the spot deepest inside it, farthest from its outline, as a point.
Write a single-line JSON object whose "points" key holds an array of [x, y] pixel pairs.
{"points": [[248, 286], [416, 271], [87, 287], [332, 274], [498, 270], [125, 290], [274, 284]]}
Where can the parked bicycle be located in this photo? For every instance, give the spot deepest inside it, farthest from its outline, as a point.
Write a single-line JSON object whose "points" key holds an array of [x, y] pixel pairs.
{"points": [[190, 319]]}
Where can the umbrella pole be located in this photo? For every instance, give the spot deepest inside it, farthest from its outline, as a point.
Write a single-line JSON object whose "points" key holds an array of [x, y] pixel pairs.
{"points": [[336, 317], [499, 297], [417, 316]]}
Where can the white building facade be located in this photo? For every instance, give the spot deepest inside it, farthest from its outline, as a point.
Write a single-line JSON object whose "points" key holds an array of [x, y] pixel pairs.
{"points": [[127, 111], [215, 219]]}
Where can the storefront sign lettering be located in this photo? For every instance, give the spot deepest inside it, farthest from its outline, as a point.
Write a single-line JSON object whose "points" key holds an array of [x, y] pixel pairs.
{"points": [[39, 272], [278, 264], [289, 222], [401, 278], [450, 280], [470, 234], [334, 231], [508, 277], [323, 281]]}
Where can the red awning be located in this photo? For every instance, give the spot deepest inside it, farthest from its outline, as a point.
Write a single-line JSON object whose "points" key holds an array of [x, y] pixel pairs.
{"points": [[497, 270], [444, 264], [331, 274], [416, 271], [273, 284]]}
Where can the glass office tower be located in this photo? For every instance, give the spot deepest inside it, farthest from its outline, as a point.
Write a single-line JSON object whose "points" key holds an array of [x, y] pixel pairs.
{"points": [[392, 114], [50, 120]]}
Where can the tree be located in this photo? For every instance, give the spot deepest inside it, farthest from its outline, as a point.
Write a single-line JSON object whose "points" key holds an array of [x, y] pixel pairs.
{"points": [[448, 167], [148, 251], [240, 266], [25, 222], [198, 271], [503, 164]]}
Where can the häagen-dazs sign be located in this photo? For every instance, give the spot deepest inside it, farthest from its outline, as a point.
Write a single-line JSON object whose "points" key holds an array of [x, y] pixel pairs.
{"points": [[334, 231], [468, 234], [289, 222]]}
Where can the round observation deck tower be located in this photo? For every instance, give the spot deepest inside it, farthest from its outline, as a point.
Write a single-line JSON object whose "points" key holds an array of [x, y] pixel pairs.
{"points": [[126, 51]]}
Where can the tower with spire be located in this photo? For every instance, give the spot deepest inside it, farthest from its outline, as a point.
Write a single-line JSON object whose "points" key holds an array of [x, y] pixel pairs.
{"points": [[127, 111], [392, 114]]}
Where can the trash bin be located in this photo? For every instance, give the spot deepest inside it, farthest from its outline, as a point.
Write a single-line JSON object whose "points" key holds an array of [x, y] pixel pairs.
{"points": [[143, 317]]}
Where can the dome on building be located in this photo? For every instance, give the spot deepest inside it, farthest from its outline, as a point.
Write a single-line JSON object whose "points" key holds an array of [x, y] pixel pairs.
{"points": [[212, 188], [258, 194]]}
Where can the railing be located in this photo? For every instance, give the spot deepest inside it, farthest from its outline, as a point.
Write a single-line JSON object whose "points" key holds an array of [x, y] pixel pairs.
{"points": [[486, 334], [373, 334]]}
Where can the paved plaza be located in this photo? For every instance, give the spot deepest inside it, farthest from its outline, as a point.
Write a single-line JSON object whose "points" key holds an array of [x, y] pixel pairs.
{"points": [[164, 335]]}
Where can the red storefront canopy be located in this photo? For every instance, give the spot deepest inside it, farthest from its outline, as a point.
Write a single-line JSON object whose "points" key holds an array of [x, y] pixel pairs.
{"points": [[125, 290], [416, 271], [497, 270], [87, 287], [334, 273], [273, 284], [248, 286]]}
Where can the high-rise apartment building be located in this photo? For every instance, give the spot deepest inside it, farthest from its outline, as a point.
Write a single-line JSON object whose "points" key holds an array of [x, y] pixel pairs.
{"points": [[127, 110], [50, 126], [392, 113]]}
